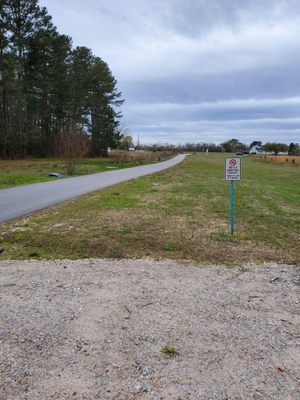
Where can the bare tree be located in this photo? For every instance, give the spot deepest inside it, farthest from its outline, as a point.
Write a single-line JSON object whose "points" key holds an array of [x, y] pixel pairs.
{"points": [[71, 145]]}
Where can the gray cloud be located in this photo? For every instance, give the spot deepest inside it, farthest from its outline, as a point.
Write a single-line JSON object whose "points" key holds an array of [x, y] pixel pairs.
{"points": [[196, 70]]}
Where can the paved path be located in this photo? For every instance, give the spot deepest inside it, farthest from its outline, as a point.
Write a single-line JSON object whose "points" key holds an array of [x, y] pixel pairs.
{"points": [[22, 200]]}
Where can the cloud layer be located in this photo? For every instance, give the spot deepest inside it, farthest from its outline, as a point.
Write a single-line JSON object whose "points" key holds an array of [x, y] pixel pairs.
{"points": [[196, 70]]}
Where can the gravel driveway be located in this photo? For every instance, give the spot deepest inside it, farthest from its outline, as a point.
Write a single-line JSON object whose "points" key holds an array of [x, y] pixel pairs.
{"points": [[94, 329]]}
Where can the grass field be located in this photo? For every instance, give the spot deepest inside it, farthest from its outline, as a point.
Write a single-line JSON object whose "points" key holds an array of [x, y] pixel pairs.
{"points": [[22, 172], [181, 213]]}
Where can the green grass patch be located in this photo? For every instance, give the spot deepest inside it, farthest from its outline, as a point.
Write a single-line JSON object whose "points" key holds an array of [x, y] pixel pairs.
{"points": [[181, 213], [34, 254], [169, 351]]}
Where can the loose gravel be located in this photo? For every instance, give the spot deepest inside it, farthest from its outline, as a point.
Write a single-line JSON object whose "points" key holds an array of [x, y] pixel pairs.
{"points": [[95, 329]]}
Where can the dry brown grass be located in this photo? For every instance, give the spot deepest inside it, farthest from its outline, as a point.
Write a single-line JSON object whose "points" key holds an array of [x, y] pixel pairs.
{"points": [[115, 155], [282, 159], [140, 155], [12, 164]]}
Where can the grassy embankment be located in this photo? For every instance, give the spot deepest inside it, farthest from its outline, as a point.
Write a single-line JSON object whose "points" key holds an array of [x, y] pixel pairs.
{"points": [[181, 213], [22, 172]]}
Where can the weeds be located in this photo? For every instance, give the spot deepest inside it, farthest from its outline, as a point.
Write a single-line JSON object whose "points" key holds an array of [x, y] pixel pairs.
{"points": [[169, 351]]}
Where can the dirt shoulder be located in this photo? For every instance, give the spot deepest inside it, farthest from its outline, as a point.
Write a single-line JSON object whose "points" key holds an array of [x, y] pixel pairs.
{"points": [[94, 329]]}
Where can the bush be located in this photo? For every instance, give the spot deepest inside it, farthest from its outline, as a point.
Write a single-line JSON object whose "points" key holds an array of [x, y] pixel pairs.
{"points": [[71, 146]]}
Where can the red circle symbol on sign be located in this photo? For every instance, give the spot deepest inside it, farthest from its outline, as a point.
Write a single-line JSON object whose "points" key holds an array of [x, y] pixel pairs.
{"points": [[232, 163]]}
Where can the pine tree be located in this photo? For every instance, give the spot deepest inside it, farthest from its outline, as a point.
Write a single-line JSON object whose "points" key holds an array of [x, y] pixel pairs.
{"points": [[23, 19], [104, 118], [45, 85], [80, 82]]}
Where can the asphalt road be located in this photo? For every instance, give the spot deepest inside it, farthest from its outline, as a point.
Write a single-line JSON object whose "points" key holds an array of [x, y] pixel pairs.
{"points": [[18, 201]]}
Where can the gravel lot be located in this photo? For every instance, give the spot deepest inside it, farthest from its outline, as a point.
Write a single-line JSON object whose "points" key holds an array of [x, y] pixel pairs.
{"points": [[94, 329]]}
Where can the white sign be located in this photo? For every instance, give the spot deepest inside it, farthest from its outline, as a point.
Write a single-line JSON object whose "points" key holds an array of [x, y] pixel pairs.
{"points": [[232, 169]]}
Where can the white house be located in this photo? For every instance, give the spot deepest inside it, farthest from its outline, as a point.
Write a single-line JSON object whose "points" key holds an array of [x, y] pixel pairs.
{"points": [[256, 150]]}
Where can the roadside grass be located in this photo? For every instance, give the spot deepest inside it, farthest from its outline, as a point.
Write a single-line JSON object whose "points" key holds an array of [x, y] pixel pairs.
{"points": [[181, 213], [22, 172], [16, 173]]}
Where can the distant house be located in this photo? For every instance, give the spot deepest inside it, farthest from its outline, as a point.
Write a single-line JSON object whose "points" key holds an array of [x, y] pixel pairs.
{"points": [[256, 150]]}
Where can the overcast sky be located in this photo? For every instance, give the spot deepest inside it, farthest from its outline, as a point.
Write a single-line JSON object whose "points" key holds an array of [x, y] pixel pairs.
{"points": [[196, 70]]}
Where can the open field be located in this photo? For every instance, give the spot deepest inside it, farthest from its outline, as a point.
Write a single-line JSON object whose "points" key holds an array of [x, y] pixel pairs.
{"points": [[181, 213], [21, 172]]}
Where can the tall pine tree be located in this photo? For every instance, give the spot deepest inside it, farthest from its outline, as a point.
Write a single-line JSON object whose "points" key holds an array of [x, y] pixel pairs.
{"points": [[104, 98], [45, 86]]}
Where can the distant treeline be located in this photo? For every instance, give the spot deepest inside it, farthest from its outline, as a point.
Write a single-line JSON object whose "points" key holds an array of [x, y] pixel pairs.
{"points": [[230, 146], [46, 86], [190, 147]]}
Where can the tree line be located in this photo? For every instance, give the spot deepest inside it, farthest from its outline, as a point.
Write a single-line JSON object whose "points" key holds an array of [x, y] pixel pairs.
{"points": [[233, 145], [48, 87], [230, 146]]}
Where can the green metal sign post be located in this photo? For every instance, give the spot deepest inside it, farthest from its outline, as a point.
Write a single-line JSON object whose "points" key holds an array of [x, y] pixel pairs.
{"points": [[231, 208], [232, 173]]}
